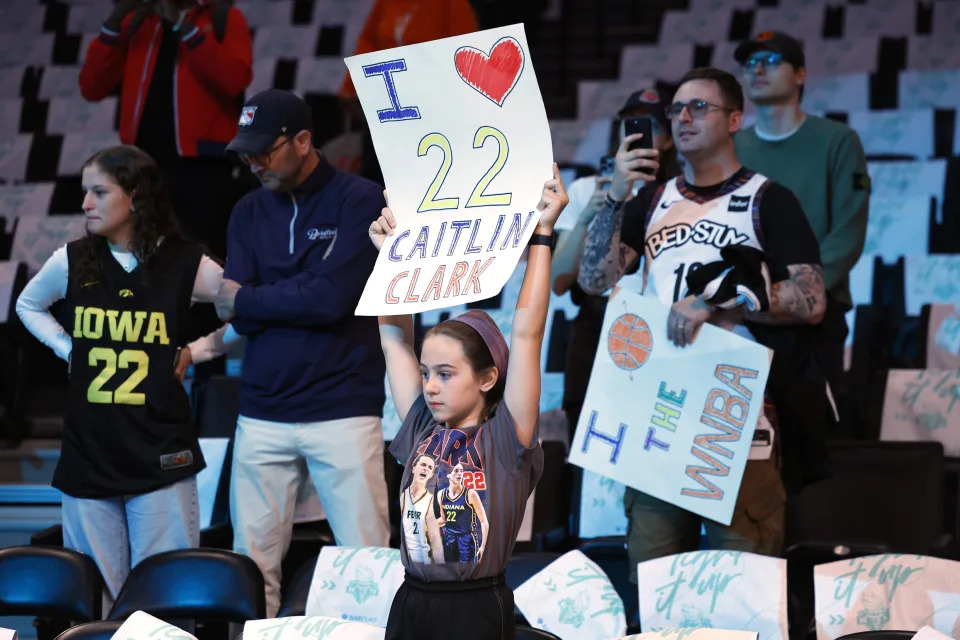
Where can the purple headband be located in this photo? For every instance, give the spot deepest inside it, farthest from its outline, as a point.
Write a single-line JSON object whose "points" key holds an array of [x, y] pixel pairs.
{"points": [[483, 324]]}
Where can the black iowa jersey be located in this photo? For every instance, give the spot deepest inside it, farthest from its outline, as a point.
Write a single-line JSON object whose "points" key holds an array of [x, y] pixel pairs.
{"points": [[128, 428]]}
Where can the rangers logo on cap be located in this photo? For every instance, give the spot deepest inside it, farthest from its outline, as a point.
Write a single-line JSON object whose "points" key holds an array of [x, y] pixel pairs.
{"points": [[650, 95], [246, 116], [764, 36]]}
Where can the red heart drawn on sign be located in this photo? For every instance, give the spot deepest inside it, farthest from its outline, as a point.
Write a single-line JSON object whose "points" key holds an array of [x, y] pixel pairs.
{"points": [[494, 75]]}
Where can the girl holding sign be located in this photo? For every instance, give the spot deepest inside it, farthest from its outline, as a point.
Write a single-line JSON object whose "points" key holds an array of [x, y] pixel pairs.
{"points": [[130, 454], [478, 420]]}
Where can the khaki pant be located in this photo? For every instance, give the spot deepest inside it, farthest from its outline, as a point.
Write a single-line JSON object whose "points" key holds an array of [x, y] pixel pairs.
{"points": [[656, 528], [118, 533], [344, 458]]}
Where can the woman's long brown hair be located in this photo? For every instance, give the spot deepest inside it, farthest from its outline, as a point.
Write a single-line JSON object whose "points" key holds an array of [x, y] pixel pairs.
{"points": [[139, 176]]}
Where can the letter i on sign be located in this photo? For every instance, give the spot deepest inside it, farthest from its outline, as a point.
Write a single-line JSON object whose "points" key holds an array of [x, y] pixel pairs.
{"points": [[395, 113]]}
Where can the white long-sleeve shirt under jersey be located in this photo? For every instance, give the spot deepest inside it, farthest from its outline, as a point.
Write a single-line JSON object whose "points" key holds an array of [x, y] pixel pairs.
{"points": [[50, 285]]}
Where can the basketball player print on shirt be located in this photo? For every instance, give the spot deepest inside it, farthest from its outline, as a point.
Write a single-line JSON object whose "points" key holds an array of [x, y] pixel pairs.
{"points": [[444, 517], [464, 520], [421, 530]]}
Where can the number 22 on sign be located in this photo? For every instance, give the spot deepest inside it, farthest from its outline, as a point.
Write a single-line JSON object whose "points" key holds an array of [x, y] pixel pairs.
{"points": [[478, 197]]}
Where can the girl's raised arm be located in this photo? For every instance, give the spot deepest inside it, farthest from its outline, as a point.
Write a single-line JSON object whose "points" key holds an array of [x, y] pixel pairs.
{"points": [[522, 392], [396, 337]]}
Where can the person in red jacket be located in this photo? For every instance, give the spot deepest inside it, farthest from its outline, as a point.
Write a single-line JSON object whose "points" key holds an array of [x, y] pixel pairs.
{"points": [[395, 23], [182, 67]]}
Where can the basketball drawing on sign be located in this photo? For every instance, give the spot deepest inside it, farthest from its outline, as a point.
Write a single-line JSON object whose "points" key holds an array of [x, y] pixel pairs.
{"points": [[629, 342], [495, 75]]}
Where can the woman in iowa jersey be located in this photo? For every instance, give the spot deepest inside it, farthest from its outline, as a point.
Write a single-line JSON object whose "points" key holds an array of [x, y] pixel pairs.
{"points": [[462, 511], [130, 455]]}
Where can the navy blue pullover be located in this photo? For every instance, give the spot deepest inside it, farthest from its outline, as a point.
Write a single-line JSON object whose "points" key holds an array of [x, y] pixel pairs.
{"points": [[303, 258]]}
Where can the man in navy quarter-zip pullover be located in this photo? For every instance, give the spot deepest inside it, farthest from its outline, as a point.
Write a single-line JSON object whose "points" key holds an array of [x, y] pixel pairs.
{"points": [[312, 395]]}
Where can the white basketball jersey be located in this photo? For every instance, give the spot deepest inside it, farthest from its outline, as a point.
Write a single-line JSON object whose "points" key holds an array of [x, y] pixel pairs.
{"points": [[684, 231], [415, 526]]}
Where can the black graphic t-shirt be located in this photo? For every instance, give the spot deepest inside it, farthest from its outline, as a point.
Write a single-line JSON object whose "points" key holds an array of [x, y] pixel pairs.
{"points": [[464, 492]]}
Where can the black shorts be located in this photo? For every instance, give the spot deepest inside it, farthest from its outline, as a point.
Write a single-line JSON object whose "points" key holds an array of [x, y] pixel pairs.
{"points": [[472, 610]]}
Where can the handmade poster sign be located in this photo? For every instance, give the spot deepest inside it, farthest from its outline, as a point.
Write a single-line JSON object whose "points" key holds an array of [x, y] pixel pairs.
{"points": [[694, 634], [921, 405], [310, 628], [143, 626], [675, 423], [929, 279], [462, 137], [355, 584], [943, 337], [601, 507], [883, 592], [715, 589], [572, 598]]}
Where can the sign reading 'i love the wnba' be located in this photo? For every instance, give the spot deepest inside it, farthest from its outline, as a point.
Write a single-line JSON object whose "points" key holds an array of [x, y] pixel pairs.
{"points": [[675, 423], [462, 138]]}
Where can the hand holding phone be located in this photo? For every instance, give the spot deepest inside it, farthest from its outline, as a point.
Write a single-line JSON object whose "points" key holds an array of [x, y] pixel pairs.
{"points": [[639, 125], [636, 158]]}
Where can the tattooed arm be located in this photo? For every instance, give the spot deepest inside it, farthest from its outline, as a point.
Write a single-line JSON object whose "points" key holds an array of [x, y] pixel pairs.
{"points": [[605, 258], [800, 299]]}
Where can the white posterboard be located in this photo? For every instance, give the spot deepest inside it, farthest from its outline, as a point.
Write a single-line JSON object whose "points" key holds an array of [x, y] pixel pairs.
{"points": [[573, 598], [142, 625], [355, 583], [463, 141], [309, 628], [675, 423], [715, 589], [891, 591]]}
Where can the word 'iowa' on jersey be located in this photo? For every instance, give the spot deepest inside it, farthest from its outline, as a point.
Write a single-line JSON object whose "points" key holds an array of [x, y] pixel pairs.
{"points": [[453, 446], [121, 326], [701, 232]]}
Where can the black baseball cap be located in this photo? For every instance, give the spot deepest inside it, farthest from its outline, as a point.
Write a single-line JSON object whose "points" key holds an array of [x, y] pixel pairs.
{"points": [[267, 116], [790, 48], [649, 100]]}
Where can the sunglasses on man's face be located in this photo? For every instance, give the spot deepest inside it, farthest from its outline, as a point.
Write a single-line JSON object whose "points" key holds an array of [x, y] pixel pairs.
{"points": [[696, 108], [769, 60], [262, 159]]}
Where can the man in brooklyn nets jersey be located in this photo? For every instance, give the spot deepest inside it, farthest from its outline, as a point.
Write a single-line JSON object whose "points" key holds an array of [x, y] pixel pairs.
{"points": [[717, 203], [420, 528], [462, 511]]}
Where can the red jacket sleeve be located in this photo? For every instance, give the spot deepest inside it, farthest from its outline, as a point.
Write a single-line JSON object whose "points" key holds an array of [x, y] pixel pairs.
{"points": [[103, 69], [227, 65]]}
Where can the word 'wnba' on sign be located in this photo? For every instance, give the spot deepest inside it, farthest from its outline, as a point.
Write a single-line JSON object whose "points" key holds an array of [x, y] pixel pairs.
{"points": [[724, 413]]}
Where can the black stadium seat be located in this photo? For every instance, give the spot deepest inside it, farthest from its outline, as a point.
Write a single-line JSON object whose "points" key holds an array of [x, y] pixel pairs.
{"points": [[49, 581], [207, 584], [99, 630]]}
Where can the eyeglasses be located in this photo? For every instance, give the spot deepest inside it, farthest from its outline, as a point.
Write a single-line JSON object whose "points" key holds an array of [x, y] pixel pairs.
{"points": [[697, 109], [769, 60], [262, 159]]}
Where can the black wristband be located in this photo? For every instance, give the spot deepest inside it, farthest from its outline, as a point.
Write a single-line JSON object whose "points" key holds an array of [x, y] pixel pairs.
{"points": [[544, 239]]}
